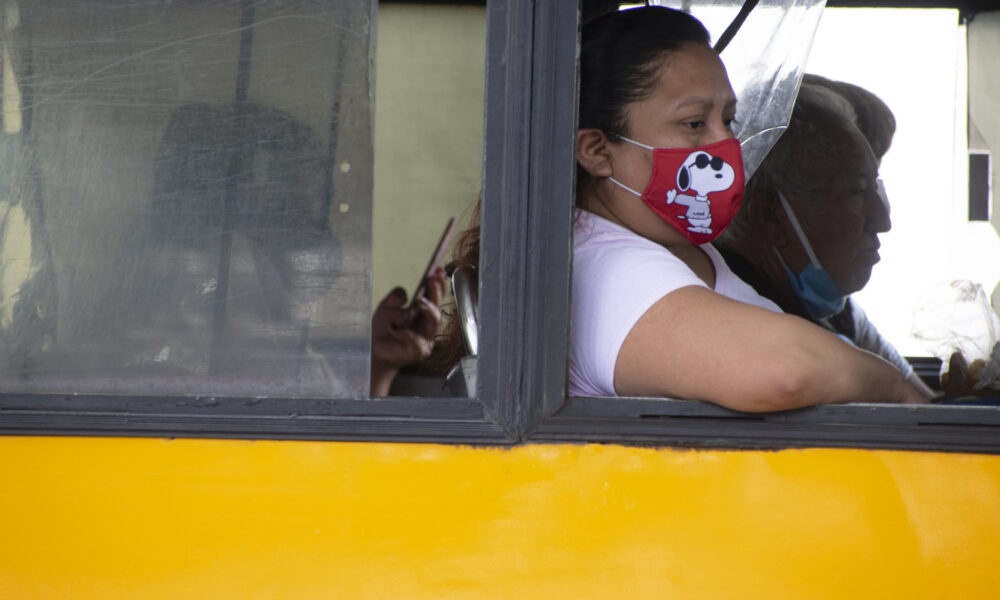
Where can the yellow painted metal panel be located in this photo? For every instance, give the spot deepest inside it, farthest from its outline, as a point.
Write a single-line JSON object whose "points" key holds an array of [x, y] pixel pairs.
{"points": [[151, 518]]}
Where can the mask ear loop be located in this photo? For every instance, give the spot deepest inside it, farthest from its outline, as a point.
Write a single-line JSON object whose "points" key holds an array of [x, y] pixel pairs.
{"points": [[623, 186], [798, 231], [635, 143]]}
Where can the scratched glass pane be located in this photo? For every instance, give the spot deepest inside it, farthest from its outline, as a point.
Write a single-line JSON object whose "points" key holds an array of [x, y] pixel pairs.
{"points": [[185, 197]]}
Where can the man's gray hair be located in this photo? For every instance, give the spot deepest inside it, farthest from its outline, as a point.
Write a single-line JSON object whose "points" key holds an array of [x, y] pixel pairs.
{"points": [[874, 117]]}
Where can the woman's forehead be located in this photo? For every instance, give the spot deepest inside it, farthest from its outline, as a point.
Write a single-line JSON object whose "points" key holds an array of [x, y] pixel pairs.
{"points": [[693, 75]]}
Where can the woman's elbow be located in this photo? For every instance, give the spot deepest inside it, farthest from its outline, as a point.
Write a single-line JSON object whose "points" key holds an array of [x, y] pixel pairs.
{"points": [[780, 385]]}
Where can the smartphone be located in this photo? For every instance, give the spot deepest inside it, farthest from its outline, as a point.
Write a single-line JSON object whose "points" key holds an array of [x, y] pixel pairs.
{"points": [[436, 259]]}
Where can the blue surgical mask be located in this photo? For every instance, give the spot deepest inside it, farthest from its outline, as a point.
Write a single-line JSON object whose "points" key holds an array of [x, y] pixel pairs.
{"points": [[820, 295]]}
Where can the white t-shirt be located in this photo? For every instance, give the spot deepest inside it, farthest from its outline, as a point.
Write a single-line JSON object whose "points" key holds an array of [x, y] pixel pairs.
{"points": [[617, 276]]}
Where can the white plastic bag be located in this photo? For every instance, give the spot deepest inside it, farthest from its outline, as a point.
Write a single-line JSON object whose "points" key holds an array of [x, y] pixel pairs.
{"points": [[960, 327]]}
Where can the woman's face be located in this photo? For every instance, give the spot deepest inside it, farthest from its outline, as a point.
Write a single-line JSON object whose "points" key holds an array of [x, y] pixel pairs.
{"points": [[692, 104]]}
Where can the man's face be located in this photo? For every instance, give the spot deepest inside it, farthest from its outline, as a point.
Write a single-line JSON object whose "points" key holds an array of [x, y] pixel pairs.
{"points": [[844, 213]]}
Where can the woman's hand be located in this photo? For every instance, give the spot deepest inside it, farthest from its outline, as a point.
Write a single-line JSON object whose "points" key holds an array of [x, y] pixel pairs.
{"points": [[401, 335], [917, 391]]}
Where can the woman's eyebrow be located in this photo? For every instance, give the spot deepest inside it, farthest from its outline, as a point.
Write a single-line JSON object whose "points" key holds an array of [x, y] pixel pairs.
{"points": [[706, 102], [703, 102]]}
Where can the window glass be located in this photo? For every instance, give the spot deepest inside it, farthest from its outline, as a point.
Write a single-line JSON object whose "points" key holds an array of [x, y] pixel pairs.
{"points": [[428, 131], [919, 71], [930, 291], [186, 197], [430, 66]]}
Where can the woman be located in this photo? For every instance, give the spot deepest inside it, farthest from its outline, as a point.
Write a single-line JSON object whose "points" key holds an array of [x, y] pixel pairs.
{"points": [[656, 312]]}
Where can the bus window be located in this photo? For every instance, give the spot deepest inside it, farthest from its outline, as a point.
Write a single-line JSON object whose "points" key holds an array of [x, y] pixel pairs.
{"points": [[187, 198], [188, 233]]}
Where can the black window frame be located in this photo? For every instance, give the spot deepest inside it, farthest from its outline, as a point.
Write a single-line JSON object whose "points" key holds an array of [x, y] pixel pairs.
{"points": [[526, 253]]}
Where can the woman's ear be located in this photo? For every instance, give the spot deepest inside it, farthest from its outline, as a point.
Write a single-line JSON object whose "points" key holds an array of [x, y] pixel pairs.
{"points": [[592, 152]]}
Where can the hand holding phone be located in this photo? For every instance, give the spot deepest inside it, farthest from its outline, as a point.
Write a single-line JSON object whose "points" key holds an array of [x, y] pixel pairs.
{"points": [[403, 332]]}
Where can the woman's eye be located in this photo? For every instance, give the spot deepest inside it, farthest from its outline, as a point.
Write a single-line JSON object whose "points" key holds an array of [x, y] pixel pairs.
{"points": [[694, 124]]}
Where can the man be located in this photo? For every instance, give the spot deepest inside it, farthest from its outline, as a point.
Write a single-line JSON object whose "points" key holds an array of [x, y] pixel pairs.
{"points": [[806, 236]]}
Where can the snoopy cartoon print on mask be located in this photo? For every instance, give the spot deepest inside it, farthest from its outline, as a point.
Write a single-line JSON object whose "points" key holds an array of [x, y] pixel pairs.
{"points": [[696, 190]]}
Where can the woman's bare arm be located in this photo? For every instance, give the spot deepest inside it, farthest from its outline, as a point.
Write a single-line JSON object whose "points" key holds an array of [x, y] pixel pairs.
{"points": [[694, 343], [920, 388]]}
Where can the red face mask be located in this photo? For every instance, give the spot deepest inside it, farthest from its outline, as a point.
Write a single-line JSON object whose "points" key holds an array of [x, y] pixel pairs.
{"points": [[695, 190]]}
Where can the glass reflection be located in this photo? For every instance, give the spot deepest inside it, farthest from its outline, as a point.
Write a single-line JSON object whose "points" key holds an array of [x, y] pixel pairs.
{"points": [[167, 227]]}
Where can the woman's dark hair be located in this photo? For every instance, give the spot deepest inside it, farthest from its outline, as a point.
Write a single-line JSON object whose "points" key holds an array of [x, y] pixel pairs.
{"points": [[449, 346], [620, 53]]}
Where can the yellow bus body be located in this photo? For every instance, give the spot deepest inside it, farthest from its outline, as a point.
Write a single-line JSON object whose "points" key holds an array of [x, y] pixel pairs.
{"points": [[109, 518]]}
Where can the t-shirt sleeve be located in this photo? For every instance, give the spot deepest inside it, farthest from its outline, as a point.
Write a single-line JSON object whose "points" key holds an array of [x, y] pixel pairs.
{"points": [[615, 281], [867, 337]]}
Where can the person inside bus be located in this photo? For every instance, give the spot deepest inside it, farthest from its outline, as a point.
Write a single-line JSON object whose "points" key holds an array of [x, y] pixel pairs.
{"points": [[283, 259], [806, 236], [656, 311]]}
